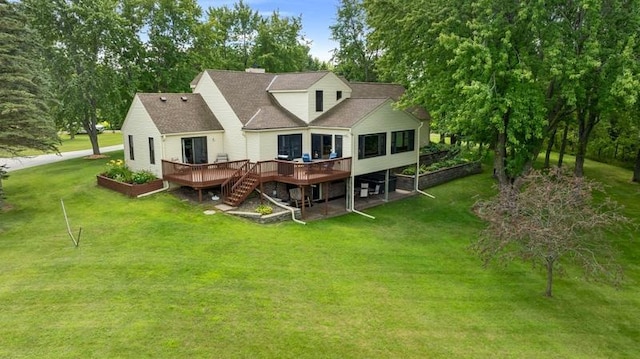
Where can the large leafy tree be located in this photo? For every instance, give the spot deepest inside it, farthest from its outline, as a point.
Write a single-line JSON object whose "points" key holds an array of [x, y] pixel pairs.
{"points": [[25, 121], [599, 62], [475, 65], [84, 40], [509, 73], [171, 26], [279, 46], [238, 37], [354, 57]]}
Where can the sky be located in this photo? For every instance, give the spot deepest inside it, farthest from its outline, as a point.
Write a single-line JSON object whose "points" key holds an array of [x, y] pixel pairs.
{"points": [[317, 16]]}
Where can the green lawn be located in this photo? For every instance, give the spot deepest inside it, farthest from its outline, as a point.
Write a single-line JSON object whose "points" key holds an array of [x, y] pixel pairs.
{"points": [[80, 142], [155, 278]]}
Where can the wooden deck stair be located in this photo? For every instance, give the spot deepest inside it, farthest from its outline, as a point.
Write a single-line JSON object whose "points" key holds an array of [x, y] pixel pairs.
{"points": [[242, 189]]}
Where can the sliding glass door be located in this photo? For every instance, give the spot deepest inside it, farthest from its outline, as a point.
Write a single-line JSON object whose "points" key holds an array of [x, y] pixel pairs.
{"points": [[194, 150]]}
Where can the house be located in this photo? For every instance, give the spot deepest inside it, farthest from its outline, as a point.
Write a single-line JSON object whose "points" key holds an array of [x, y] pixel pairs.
{"points": [[249, 129]]}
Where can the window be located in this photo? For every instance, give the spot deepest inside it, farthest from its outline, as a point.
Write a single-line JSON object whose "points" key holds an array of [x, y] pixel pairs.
{"points": [[338, 145], [372, 145], [338, 95], [402, 141], [194, 150], [319, 101], [290, 145], [152, 152], [321, 146], [131, 157]]}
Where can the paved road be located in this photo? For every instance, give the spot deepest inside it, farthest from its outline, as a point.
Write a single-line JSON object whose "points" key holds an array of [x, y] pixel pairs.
{"points": [[18, 163]]}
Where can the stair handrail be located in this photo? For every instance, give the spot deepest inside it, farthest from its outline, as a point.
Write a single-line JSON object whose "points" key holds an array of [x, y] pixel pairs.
{"points": [[228, 185], [252, 170]]}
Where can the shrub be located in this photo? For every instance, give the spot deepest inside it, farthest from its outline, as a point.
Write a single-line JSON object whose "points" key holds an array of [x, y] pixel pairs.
{"points": [[141, 177], [118, 171], [264, 209]]}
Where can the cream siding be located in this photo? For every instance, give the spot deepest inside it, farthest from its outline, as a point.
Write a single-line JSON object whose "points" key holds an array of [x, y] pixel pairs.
{"points": [[234, 143], [138, 124], [172, 144], [329, 85], [263, 145], [295, 102], [385, 119]]}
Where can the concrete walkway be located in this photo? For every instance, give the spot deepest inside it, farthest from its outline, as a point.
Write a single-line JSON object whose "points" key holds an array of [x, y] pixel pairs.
{"points": [[18, 163]]}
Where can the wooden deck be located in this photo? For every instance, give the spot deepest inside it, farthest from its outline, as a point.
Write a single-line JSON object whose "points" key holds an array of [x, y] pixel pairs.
{"points": [[208, 175]]}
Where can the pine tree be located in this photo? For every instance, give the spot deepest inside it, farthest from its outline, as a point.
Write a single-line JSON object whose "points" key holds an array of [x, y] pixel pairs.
{"points": [[25, 121]]}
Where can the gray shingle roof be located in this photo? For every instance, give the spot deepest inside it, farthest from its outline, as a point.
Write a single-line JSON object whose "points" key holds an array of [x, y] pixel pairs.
{"points": [[383, 90], [376, 90], [247, 95], [296, 81], [348, 112], [174, 115]]}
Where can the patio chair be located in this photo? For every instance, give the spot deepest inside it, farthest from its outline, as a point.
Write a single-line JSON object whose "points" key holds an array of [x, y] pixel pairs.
{"points": [[364, 190], [333, 155], [295, 195], [306, 157], [375, 191]]}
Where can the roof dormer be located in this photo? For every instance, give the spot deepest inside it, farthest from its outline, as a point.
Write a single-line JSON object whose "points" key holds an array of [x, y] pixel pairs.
{"points": [[309, 95]]}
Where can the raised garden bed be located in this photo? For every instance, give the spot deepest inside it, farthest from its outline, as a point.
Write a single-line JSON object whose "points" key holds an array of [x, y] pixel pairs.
{"points": [[131, 190], [430, 179]]}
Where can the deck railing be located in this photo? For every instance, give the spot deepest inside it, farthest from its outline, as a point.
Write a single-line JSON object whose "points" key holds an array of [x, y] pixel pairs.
{"points": [[227, 174], [198, 173]]}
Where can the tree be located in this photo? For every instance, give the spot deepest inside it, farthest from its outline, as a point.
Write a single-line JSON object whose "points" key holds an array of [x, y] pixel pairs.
{"points": [[599, 62], [83, 42], [475, 65], [554, 217], [24, 89], [171, 27], [279, 46], [354, 57]]}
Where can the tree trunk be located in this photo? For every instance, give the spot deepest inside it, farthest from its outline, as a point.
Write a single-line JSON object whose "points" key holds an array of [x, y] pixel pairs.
{"points": [[442, 137], [563, 145], [552, 141], [636, 171], [500, 157], [547, 292], [586, 122], [499, 168]]}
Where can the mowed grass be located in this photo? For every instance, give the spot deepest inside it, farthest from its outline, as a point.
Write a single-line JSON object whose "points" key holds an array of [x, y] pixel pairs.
{"points": [[79, 142], [156, 278]]}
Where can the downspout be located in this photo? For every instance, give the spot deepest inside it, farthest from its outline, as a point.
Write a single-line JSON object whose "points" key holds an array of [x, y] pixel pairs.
{"points": [[417, 180], [293, 212], [165, 186], [352, 181]]}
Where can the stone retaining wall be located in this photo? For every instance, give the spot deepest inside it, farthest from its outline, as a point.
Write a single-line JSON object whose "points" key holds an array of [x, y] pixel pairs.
{"points": [[435, 178]]}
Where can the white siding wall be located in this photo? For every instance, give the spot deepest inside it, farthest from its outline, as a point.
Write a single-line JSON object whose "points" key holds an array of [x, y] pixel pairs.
{"points": [[234, 143], [139, 125], [385, 119], [172, 145], [296, 102], [329, 85]]}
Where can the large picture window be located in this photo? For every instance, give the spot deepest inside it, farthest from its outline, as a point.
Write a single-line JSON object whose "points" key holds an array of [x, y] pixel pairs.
{"points": [[372, 145], [402, 141], [290, 145]]}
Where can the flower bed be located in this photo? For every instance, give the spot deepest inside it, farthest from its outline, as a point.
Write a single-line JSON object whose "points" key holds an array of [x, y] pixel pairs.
{"points": [[118, 177], [129, 189], [434, 178]]}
